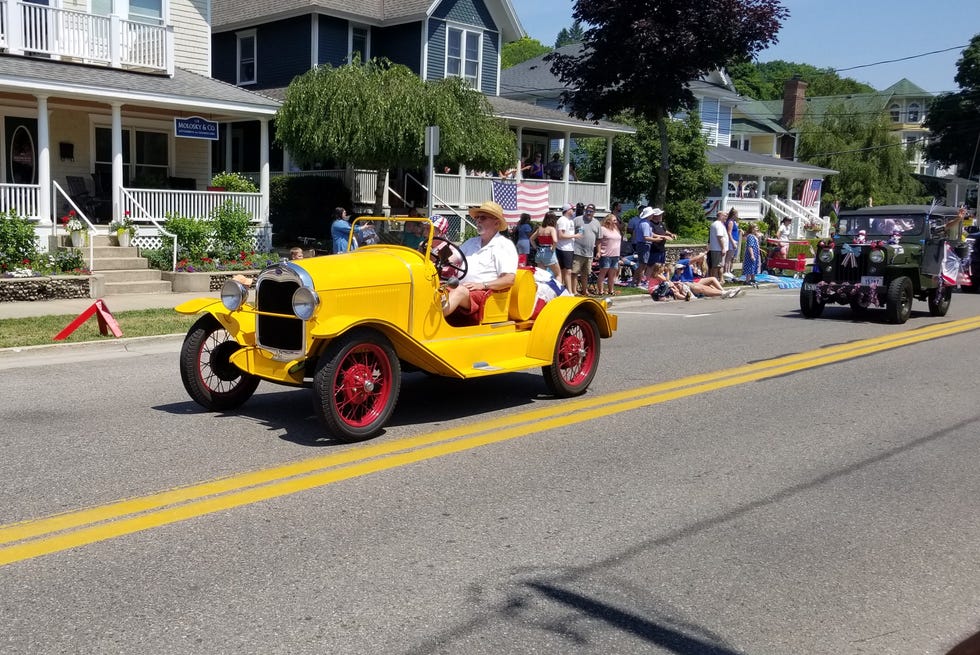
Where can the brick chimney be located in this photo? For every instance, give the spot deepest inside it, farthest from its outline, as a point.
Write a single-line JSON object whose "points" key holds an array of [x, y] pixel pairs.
{"points": [[794, 104], [794, 101]]}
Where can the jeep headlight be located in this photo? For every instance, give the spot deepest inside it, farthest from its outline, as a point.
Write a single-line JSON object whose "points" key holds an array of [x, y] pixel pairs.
{"points": [[305, 302], [233, 295], [826, 256], [877, 256]]}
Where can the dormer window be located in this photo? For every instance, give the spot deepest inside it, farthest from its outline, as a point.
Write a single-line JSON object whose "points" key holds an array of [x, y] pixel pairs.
{"points": [[914, 112], [246, 57], [896, 113], [463, 55]]}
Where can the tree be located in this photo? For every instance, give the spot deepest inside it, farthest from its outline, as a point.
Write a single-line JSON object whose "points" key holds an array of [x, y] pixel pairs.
{"points": [[672, 42], [568, 36], [521, 50], [952, 117], [764, 81], [871, 160], [374, 116], [635, 170]]}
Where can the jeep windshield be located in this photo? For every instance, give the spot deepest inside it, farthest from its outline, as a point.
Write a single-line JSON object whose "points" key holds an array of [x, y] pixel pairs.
{"points": [[881, 225]]}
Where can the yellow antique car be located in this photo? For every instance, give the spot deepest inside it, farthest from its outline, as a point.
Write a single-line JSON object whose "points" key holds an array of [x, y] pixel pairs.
{"points": [[349, 323]]}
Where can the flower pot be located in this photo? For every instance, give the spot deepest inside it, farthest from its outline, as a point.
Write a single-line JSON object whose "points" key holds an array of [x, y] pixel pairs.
{"points": [[77, 239], [123, 237]]}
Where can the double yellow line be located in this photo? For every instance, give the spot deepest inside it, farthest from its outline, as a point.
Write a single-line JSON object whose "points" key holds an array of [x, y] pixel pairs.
{"points": [[33, 538]]}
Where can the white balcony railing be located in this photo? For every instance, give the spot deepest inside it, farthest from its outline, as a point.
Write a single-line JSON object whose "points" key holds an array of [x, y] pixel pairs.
{"points": [[155, 205], [26, 27]]}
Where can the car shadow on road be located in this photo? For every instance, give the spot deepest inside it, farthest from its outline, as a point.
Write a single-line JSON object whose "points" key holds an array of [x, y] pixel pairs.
{"points": [[423, 399]]}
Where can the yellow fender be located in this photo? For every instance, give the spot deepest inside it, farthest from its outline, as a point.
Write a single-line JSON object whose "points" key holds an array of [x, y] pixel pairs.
{"points": [[240, 324], [552, 318]]}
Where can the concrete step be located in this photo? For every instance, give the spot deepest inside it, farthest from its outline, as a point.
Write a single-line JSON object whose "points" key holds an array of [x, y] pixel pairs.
{"points": [[130, 275], [111, 251], [145, 286], [118, 263]]}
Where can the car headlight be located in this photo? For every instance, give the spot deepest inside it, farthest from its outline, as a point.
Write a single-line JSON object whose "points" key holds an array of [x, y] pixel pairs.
{"points": [[826, 256], [233, 295], [877, 256], [305, 302]]}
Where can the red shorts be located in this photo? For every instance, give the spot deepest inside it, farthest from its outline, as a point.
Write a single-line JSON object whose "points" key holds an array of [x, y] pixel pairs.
{"points": [[472, 316]]}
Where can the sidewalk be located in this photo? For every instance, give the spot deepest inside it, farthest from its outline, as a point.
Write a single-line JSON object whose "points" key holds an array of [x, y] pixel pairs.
{"points": [[76, 306]]}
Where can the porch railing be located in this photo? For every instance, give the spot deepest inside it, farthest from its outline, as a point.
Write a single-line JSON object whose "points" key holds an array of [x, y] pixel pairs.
{"points": [[28, 27], [23, 199], [467, 190], [157, 204]]}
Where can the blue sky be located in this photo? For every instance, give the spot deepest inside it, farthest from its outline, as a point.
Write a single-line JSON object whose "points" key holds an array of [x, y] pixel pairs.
{"points": [[831, 33]]}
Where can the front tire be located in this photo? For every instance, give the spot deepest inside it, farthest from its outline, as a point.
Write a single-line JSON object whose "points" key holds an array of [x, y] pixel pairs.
{"points": [[576, 356], [939, 299], [898, 303], [809, 305], [356, 386], [209, 377]]}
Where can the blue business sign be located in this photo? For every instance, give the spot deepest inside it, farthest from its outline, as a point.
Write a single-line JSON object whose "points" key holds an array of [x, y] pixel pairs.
{"points": [[196, 127]]}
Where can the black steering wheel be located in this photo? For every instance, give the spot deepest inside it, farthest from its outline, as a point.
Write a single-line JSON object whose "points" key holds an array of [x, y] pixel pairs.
{"points": [[449, 260]]}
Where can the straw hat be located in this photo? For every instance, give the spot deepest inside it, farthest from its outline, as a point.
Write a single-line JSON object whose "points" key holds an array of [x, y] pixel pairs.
{"points": [[494, 210]]}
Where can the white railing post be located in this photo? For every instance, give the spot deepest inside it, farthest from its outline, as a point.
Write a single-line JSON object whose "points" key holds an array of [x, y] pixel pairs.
{"points": [[15, 28], [115, 40]]}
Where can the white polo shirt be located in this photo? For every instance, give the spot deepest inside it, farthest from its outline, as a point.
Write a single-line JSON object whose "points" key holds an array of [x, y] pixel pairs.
{"points": [[487, 263]]}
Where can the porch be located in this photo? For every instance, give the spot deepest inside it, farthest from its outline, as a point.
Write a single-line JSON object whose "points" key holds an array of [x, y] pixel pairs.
{"points": [[69, 35]]}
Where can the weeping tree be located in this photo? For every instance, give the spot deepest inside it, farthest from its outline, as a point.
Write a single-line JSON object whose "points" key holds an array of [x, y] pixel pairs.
{"points": [[373, 115]]}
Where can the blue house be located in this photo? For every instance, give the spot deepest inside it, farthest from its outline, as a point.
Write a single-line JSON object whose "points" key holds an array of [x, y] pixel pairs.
{"points": [[262, 45]]}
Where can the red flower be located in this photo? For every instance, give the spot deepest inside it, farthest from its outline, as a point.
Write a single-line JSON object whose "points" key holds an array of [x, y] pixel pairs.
{"points": [[25, 261], [71, 213]]}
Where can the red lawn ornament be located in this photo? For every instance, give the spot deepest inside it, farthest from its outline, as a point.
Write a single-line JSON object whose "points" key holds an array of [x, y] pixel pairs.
{"points": [[106, 321]]}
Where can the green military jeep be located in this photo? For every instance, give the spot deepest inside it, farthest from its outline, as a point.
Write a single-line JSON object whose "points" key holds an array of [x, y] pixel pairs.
{"points": [[884, 257]]}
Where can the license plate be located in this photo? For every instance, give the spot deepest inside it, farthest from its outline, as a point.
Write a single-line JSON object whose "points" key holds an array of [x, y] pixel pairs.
{"points": [[810, 286], [872, 280]]}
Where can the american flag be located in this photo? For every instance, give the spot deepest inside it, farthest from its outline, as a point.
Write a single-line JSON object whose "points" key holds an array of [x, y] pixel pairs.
{"points": [[516, 198], [811, 191]]}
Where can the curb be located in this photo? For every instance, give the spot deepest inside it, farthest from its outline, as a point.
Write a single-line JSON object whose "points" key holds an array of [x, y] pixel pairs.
{"points": [[46, 354]]}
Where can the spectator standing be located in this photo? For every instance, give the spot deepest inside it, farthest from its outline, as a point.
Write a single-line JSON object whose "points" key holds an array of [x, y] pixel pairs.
{"points": [[734, 237], [536, 170], [750, 266], [610, 243], [555, 170], [544, 239], [641, 246], [588, 229], [565, 248], [659, 236], [340, 231], [717, 245], [524, 230]]}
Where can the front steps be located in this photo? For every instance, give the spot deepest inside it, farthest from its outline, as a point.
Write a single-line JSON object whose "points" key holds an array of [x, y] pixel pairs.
{"points": [[122, 270]]}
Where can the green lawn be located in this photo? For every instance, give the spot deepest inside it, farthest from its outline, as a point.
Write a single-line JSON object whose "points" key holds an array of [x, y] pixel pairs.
{"points": [[39, 330]]}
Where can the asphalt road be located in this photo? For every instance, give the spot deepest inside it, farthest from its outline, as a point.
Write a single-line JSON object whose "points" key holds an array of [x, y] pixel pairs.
{"points": [[712, 493]]}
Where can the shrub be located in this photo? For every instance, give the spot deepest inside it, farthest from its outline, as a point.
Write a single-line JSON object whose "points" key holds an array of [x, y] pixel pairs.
{"points": [[301, 205], [234, 182], [17, 241], [233, 230], [193, 235]]}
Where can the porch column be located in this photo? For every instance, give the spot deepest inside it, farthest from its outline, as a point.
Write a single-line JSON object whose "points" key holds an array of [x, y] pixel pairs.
{"points": [[286, 161], [520, 150], [264, 169], [724, 192], [790, 183], [117, 161], [461, 199], [609, 146], [43, 160], [567, 150], [226, 165]]}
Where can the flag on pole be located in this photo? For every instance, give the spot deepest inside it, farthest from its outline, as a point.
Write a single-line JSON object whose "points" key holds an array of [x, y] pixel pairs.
{"points": [[811, 192], [517, 198]]}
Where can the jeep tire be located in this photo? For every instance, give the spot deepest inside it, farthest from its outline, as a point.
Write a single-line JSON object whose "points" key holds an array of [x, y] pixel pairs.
{"points": [[898, 301], [939, 299], [809, 305]]}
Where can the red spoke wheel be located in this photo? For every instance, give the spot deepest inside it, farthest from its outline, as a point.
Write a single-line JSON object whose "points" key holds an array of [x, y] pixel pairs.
{"points": [[209, 377], [576, 356], [356, 385]]}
